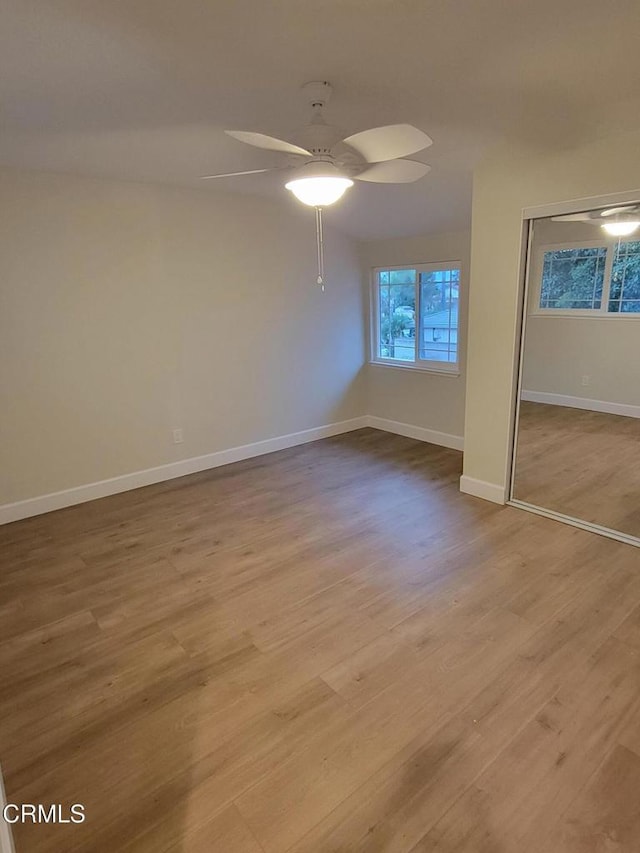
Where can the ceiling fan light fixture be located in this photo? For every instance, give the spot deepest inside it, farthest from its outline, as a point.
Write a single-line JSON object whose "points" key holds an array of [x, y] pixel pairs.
{"points": [[319, 184], [622, 228], [319, 191]]}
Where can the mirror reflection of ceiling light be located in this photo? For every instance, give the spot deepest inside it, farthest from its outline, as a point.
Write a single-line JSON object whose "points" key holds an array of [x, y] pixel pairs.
{"points": [[622, 228]]}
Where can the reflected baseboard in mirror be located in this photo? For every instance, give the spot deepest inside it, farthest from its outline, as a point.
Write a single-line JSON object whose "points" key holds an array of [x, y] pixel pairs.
{"points": [[583, 464], [577, 435]]}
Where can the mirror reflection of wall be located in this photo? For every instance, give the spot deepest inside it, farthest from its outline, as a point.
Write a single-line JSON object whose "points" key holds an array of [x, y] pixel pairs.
{"points": [[578, 434]]}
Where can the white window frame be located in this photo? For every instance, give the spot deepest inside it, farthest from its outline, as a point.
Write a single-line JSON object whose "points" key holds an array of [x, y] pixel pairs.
{"points": [[602, 313], [448, 368]]}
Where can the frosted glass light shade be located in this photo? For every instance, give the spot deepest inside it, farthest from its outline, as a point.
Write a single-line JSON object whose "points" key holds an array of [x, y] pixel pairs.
{"points": [[621, 229], [319, 191]]}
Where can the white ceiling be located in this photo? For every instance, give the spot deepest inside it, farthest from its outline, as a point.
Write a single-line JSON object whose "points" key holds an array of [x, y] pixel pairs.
{"points": [[142, 89]]}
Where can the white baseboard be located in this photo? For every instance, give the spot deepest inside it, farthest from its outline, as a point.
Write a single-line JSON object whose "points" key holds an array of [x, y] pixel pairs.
{"points": [[432, 436], [482, 489], [149, 476], [126, 482], [608, 408]]}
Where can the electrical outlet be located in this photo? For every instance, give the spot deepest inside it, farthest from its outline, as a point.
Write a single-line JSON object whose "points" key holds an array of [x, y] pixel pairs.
{"points": [[177, 436], [586, 380]]}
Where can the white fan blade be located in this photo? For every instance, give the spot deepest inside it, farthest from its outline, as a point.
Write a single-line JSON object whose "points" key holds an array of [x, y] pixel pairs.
{"points": [[261, 140], [234, 174], [394, 172], [574, 217], [615, 211], [388, 143]]}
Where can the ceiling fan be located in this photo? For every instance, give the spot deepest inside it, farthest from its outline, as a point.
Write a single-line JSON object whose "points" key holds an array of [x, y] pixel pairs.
{"points": [[325, 163], [616, 221]]}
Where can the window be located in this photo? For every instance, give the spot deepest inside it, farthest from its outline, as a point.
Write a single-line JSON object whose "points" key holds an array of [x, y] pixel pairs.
{"points": [[589, 279], [624, 295], [415, 316], [573, 278]]}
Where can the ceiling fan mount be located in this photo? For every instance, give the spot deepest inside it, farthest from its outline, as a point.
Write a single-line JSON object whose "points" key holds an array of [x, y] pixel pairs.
{"points": [[317, 93], [318, 137]]}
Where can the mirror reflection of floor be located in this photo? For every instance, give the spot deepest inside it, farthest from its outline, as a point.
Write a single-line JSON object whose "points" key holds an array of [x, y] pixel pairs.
{"points": [[581, 463]]}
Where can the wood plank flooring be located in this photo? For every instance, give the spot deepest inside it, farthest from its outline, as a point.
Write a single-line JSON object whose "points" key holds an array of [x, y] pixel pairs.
{"points": [[324, 650], [583, 464]]}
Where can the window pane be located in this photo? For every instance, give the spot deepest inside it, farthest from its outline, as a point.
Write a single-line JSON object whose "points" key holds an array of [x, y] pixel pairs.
{"points": [[624, 296], [573, 278], [439, 300], [397, 324], [402, 276], [630, 306]]}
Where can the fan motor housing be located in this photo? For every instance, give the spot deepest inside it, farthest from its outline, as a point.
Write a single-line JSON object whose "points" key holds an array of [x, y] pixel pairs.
{"points": [[319, 138]]}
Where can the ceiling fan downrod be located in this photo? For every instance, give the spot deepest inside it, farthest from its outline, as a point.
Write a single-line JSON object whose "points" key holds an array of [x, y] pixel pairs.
{"points": [[320, 247]]}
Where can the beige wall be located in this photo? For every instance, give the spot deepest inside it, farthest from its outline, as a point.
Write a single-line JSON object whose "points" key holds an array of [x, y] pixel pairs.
{"points": [[508, 181], [129, 310], [559, 352], [427, 400]]}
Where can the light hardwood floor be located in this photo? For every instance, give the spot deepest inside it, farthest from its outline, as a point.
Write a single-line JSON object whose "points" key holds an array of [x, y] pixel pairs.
{"points": [[325, 650], [580, 463]]}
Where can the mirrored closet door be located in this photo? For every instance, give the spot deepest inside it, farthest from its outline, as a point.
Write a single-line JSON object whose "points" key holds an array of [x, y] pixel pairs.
{"points": [[577, 436]]}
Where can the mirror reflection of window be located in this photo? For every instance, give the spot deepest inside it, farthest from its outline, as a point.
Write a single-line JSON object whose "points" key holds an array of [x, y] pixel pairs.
{"points": [[572, 278], [624, 294]]}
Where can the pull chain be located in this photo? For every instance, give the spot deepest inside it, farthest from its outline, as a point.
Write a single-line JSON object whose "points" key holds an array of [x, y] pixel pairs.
{"points": [[320, 244]]}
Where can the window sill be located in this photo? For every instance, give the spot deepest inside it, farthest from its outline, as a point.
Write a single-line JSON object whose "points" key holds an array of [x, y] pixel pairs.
{"points": [[580, 315], [455, 371]]}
